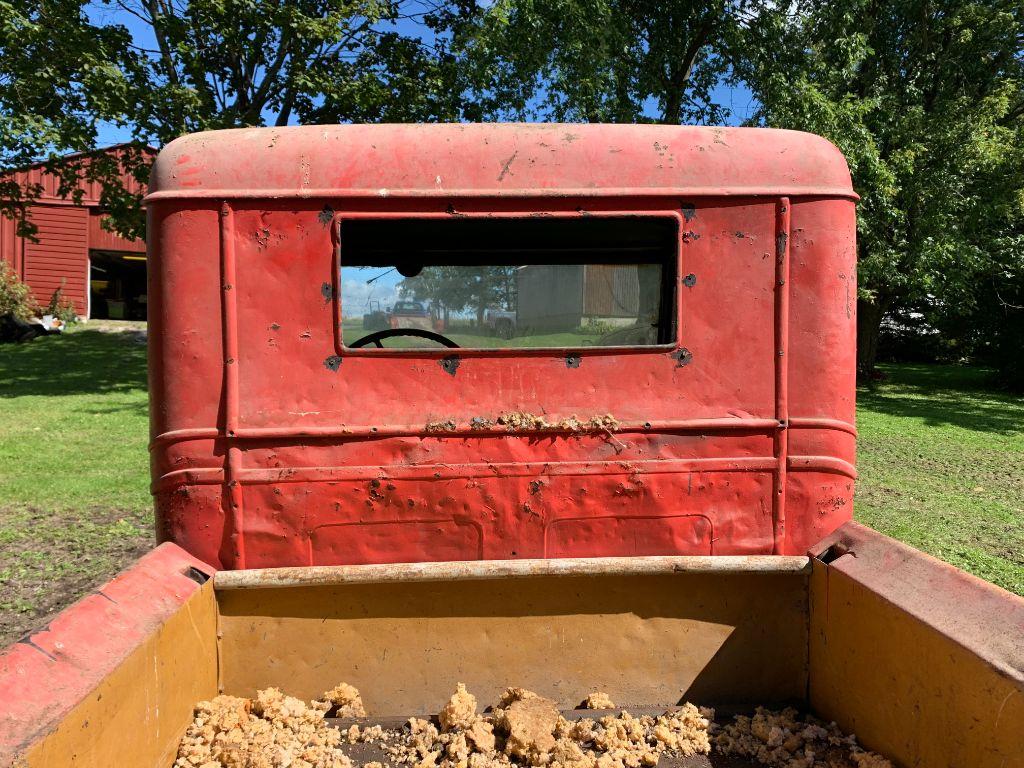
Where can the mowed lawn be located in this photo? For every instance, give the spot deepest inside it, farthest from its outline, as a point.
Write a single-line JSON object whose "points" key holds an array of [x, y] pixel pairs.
{"points": [[941, 462], [941, 466], [74, 495]]}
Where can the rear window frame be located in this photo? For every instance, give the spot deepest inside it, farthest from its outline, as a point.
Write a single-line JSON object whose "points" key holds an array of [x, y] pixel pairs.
{"points": [[439, 353]]}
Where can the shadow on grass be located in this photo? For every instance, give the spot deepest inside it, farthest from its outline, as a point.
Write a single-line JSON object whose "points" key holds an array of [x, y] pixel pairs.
{"points": [[78, 362], [945, 395]]}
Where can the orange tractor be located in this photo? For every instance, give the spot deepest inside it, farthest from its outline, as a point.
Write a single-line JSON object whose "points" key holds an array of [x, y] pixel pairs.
{"points": [[646, 490]]}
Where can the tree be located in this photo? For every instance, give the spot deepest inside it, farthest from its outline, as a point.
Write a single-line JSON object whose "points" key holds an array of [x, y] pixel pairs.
{"points": [[457, 288], [59, 74], [925, 99], [601, 60], [195, 65]]}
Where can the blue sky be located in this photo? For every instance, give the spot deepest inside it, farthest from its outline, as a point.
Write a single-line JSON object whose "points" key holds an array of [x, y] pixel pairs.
{"points": [[738, 99]]}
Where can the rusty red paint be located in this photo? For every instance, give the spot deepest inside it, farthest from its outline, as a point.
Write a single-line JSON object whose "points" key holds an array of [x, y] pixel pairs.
{"points": [[262, 456]]}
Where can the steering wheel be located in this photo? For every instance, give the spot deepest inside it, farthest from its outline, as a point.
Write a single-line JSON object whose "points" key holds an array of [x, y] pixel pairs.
{"points": [[377, 336]]}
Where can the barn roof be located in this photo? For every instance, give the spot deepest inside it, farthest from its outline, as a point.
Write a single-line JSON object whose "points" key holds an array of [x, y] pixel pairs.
{"points": [[458, 160], [37, 175]]}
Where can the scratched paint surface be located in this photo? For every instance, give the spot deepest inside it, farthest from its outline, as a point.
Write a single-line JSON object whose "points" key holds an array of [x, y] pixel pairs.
{"points": [[275, 445]]}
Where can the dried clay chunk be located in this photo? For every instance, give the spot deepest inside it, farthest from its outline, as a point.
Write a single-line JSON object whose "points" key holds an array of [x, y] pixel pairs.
{"points": [[274, 730], [460, 711], [598, 700], [344, 701], [786, 740], [529, 722]]}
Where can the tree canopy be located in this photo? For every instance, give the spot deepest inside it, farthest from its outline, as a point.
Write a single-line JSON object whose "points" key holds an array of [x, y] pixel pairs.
{"points": [[925, 98], [59, 74], [618, 61], [926, 101]]}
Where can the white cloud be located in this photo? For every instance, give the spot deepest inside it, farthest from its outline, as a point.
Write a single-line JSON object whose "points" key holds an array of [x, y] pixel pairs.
{"points": [[358, 297]]}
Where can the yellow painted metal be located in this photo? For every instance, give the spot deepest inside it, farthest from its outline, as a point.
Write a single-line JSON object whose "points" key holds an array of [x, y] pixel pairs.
{"points": [[651, 639], [909, 687], [137, 714], [923, 662]]}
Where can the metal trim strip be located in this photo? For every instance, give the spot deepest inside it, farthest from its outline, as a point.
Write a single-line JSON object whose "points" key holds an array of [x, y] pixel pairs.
{"points": [[235, 511], [477, 570], [337, 193], [781, 437], [464, 430], [215, 475]]}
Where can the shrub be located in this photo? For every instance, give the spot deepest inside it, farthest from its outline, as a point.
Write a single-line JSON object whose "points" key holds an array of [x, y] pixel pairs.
{"points": [[61, 307], [15, 297]]}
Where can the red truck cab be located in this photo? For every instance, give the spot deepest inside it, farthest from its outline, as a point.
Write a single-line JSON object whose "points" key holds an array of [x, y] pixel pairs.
{"points": [[695, 286]]}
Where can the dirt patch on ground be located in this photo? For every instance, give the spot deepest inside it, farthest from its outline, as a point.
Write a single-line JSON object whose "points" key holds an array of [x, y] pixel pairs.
{"points": [[48, 560]]}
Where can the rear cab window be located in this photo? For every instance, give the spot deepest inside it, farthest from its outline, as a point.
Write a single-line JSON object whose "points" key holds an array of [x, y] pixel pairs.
{"points": [[509, 282]]}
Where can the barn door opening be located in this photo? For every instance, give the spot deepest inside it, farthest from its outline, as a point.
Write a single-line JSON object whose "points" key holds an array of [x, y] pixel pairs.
{"points": [[117, 285]]}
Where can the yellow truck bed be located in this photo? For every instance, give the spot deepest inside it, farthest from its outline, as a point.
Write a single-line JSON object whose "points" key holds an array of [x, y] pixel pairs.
{"points": [[923, 662]]}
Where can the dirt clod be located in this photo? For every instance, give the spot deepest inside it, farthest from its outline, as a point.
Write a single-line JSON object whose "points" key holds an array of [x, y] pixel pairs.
{"points": [[460, 711], [598, 700], [440, 426], [787, 740], [526, 730], [521, 421], [523, 730], [344, 701], [529, 723], [273, 730]]}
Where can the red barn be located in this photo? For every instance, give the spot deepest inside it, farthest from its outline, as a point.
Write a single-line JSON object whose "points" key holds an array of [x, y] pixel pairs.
{"points": [[103, 273]]}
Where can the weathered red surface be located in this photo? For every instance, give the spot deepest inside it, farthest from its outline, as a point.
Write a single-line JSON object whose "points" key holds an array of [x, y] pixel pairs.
{"points": [[44, 676], [265, 455]]}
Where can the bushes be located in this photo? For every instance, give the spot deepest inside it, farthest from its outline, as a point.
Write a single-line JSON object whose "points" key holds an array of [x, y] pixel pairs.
{"points": [[61, 307], [15, 297]]}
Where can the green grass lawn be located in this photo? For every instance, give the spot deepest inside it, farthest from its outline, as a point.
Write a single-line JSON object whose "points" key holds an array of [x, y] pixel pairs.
{"points": [[941, 462], [941, 466], [74, 497]]}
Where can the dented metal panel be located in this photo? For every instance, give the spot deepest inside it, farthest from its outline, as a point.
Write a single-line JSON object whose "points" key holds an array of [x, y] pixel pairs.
{"points": [[276, 445]]}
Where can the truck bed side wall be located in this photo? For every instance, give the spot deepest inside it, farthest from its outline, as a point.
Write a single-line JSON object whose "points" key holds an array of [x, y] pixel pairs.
{"points": [[924, 662], [113, 680]]}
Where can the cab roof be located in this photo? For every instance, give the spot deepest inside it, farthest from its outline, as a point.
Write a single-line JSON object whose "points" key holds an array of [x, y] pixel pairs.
{"points": [[498, 159]]}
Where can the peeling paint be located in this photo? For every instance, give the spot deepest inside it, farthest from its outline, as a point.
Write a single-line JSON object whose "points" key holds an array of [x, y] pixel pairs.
{"points": [[450, 364], [440, 426], [521, 421]]}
